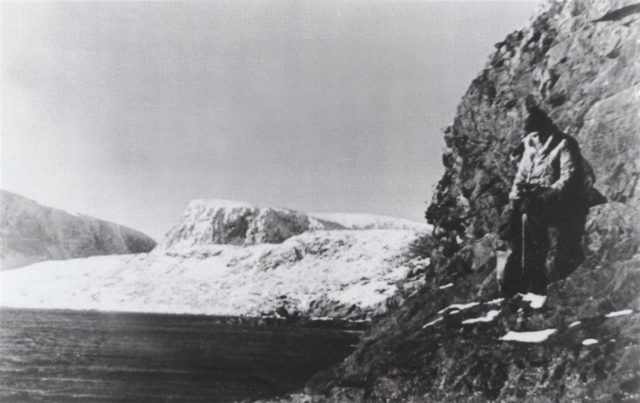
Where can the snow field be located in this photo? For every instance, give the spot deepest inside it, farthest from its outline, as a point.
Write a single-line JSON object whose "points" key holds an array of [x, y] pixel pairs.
{"points": [[345, 266]]}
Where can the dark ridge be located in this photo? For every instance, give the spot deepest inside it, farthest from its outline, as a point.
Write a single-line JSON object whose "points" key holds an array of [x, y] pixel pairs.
{"points": [[620, 13]]}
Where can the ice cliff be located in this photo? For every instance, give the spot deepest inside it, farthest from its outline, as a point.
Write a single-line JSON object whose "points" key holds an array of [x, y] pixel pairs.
{"points": [[455, 340], [30, 232]]}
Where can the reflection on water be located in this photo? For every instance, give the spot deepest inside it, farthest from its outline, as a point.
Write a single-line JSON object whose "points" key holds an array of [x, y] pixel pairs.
{"points": [[90, 356]]}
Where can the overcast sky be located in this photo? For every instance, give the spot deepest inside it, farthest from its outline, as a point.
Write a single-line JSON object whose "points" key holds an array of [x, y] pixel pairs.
{"points": [[126, 111]]}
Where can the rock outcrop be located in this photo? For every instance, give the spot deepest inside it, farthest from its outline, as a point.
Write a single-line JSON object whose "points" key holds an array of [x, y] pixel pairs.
{"points": [[455, 340], [585, 72], [224, 222], [30, 232]]}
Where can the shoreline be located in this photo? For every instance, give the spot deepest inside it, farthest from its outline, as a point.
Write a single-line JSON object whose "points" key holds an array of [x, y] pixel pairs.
{"points": [[255, 321]]}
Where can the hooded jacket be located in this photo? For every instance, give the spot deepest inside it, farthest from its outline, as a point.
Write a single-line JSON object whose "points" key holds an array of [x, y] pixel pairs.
{"points": [[557, 167]]}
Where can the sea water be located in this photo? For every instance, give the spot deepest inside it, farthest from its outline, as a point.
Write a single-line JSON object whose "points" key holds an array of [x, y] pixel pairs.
{"points": [[53, 355]]}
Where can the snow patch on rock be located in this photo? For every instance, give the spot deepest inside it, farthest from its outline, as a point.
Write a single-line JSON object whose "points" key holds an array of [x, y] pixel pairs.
{"points": [[490, 316], [528, 337], [433, 322], [615, 314], [535, 301], [458, 307]]}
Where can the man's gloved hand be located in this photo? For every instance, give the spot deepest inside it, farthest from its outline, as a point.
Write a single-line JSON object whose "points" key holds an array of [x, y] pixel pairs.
{"points": [[531, 204], [535, 202]]}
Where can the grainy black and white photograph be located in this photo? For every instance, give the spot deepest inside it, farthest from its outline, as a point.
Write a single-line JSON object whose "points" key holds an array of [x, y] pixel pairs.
{"points": [[311, 201]]}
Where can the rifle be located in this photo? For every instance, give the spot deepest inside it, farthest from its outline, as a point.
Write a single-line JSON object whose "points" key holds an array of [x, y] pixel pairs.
{"points": [[523, 252], [528, 191]]}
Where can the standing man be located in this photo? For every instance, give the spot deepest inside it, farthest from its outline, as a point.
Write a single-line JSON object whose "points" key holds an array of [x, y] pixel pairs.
{"points": [[549, 207]]}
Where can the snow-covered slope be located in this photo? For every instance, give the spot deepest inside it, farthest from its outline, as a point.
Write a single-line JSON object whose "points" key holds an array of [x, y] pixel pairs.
{"points": [[339, 274], [30, 232], [230, 258], [371, 221]]}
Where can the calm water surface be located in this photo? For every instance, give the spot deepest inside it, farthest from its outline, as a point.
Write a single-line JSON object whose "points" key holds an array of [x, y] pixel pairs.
{"points": [[89, 356]]}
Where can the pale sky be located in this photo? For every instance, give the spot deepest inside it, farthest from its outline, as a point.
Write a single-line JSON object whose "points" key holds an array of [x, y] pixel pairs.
{"points": [[126, 111]]}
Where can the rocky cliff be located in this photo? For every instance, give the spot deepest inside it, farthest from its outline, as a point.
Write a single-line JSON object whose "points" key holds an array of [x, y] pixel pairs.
{"points": [[207, 222], [455, 340], [226, 222], [579, 59], [30, 232]]}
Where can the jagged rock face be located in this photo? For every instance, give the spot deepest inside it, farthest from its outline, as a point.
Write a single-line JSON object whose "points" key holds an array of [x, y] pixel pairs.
{"points": [[585, 74], [225, 222], [208, 222], [581, 60], [30, 232], [425, 352]]}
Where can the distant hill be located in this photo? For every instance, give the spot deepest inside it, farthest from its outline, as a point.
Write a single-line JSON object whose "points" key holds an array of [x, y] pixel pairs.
{"points": [[372, 221], [31, 232]]}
